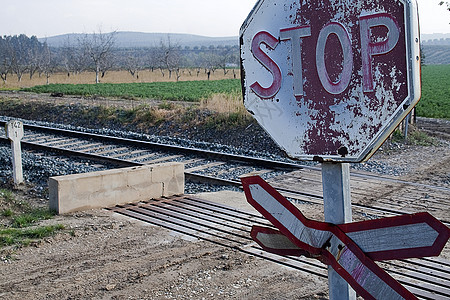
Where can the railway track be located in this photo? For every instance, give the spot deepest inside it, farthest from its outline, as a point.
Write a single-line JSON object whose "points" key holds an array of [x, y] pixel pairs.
{"points": [[301, 183], [129, 152], [372, 197]]}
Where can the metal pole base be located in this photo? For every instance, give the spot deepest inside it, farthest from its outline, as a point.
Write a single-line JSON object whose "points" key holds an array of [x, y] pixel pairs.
{"points": [[338, 210]]}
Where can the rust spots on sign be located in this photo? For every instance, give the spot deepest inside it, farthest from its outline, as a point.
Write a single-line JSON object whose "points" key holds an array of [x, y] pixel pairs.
{"points": [[327, 78]]}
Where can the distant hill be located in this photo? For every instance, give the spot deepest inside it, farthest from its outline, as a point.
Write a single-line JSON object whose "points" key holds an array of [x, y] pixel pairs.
{"points": [[126, 39], [435, 39], [436, 47], [436, 54]]}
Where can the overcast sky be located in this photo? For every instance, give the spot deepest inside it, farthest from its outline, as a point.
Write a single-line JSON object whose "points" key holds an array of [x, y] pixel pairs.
{"points": [[45, 18]]}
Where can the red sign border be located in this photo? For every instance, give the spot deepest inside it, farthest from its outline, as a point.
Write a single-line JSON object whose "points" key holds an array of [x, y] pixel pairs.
{"points": [[408, 219], [266, 230]]}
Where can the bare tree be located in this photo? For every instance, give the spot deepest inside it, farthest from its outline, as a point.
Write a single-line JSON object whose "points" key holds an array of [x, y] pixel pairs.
{"points": [[169, 57], [107, 64], [47, 64], [34, 53], [134, 65], [20, 54], [66, 56], [151, 58], [73, 57], [17, 52], [99, 46], [225, 56], [210, 61], [5, 59]]}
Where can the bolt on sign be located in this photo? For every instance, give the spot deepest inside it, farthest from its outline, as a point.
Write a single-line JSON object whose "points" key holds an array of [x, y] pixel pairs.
{"points": [[330, 80]]}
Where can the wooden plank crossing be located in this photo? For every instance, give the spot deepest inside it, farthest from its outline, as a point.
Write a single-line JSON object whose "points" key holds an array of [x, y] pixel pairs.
{"points": [[427, 278]]}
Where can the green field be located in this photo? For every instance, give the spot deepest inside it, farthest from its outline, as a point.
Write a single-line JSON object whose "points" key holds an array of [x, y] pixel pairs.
{"points": [[435, 102], [179, 91]]}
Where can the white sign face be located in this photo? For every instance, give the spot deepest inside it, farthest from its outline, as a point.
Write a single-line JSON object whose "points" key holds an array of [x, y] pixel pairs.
{"points": [[14, 130], [330, 80]]}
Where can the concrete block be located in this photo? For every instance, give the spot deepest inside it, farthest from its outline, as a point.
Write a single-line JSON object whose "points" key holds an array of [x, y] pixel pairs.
{"points": [[165, 172], [86, 183], [175, 186], [114, 180], [78, 192], [139, 176], [59, 188], [53, 194]]}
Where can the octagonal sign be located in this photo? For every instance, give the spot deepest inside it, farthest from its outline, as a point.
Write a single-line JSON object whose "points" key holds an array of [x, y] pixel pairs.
{"points": [[329, 80]]}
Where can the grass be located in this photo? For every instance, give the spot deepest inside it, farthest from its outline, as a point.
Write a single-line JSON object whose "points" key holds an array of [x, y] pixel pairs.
{"points": [[224, 103], [415, 137], [19, 224], [7, 213], [420, 138], [29, 218], [3, 88], [221, 99], [228, 109], [435, 102], [7, 195], [24, 237], [218, 104], [191, 91]]}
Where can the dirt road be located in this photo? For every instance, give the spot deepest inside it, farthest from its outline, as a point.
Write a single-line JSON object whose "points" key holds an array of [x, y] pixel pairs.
{"points": [[106, 256]]}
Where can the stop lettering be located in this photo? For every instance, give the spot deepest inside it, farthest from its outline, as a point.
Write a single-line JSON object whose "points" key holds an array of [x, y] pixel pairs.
{"points": [[295, 34], [330, 80]]}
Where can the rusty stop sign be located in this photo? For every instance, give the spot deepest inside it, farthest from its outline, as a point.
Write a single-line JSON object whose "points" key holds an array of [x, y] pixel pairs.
{"points": [[330, 80]]}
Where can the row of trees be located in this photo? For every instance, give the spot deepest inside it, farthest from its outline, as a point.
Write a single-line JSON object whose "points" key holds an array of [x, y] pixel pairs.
{"points": [[169, 57], [20, 55]]}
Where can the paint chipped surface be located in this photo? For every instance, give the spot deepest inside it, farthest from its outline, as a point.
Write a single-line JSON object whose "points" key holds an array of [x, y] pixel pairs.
{"points": [[319, 121], [310, 236], [365, 277]]}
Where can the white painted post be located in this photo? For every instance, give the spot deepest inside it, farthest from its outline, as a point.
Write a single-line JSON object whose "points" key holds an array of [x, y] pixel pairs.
{"points": [[338, 210], [14, 131]]}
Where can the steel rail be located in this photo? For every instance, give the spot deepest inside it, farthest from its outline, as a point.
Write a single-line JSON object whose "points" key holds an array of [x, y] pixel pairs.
{"points": [[191, 177]]}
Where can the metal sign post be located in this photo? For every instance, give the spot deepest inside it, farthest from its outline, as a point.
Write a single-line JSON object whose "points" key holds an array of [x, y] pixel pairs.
{"points": [[330, 81], [14, 131], [338, 210]]}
